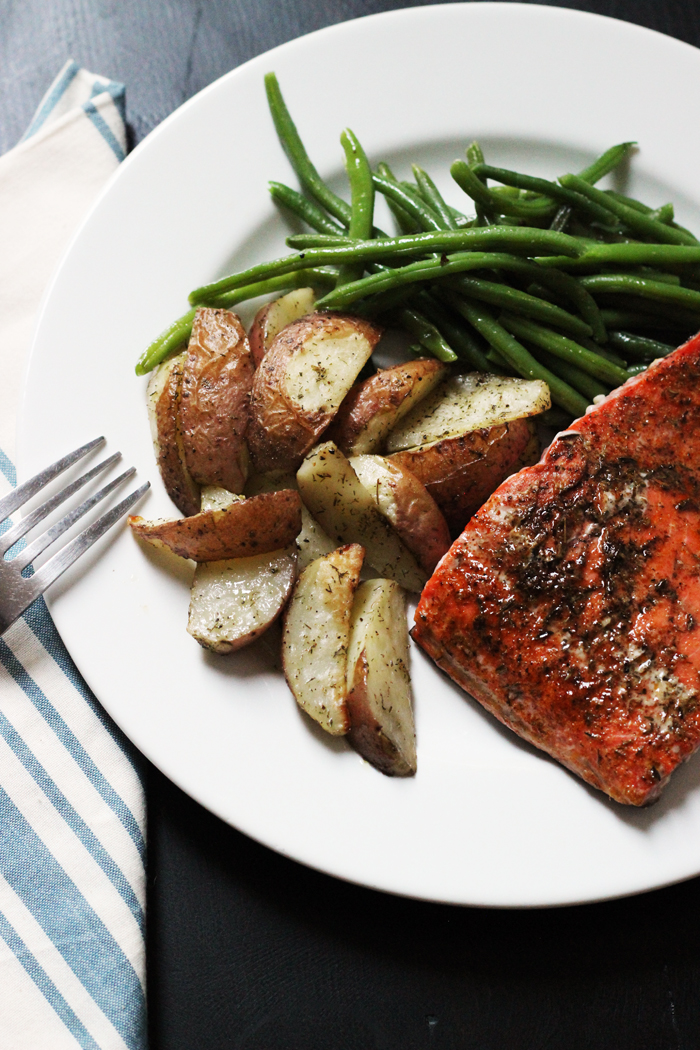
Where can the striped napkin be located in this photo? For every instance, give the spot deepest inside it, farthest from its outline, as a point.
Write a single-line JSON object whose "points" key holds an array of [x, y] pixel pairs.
{"points": [[72, 813]]}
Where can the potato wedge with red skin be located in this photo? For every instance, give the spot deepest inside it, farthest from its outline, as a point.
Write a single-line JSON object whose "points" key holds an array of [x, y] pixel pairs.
{"points": [[163, 397], [252, 526], [312, 542], [301, 383], [468, 402], [347, 512], [214, 400], [407, 505], [460, 473], [382, 727], [372, 408], [273, 317], [234, 601], [316, 636]]}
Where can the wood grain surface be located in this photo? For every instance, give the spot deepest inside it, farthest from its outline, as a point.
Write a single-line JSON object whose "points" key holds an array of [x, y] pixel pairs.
{"points": [[250, 951]]}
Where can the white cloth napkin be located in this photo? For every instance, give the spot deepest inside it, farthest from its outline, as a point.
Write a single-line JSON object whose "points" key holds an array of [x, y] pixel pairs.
{"points": [[72, 814]]}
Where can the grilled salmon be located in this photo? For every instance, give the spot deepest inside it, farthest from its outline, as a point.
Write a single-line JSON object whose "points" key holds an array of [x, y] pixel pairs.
{"points": [[570, 605]]}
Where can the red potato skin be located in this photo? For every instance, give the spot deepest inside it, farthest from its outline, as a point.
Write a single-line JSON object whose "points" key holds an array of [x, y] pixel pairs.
{"points": [[570, 606], [280, 433], [366, 735], [383, 394], [418, 520], [256, 334], [460, 473], [214, 400], [257, 525], [183, 491]]}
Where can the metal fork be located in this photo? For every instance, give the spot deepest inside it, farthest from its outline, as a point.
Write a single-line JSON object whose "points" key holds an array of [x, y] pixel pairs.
{"points": [[17, 592]]}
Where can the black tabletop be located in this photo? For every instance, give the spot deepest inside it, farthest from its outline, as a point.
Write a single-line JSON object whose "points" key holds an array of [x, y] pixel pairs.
{"points": [[250, 950]]}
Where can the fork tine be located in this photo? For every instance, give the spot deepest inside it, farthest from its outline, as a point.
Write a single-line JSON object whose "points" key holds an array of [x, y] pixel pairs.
{"points": [[27, 524], [47, 538], [53, 568], [19, 496]]}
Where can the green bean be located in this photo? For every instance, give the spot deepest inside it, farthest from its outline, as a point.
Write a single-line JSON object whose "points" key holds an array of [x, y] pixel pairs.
{"points": [[663, 214], [555, 417], [566, 349], [628, 284], [639, 206], [426, 334], [606, 352], [467, 178], [420, 271], [411, 204], [298, 157], [658, 275], [635, 370], [632, 202], [312, 276], [361, 198], [575, 377], [546, 188], [175, 337], [433, 198], [503, 238], [413, 191], [640, 347], [618, 318], [304, 208], [507, 298], [459, 337], [561, 219], [475, 154], [570, 288], [636, 221], [461, 220], [405, 222], [606, 162], [635, 254], [658, 315], [520, 359], [385, 172]]}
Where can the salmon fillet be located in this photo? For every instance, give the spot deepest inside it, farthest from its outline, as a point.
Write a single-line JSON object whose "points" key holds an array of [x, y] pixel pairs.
{"points": [[570, 605]]}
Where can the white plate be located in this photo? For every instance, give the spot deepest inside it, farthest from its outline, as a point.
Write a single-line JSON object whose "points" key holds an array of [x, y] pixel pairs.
{"points": [[487, 820]]}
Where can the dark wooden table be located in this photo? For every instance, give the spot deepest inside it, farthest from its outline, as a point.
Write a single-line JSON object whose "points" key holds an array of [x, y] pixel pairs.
{"points": [[247, 949]]}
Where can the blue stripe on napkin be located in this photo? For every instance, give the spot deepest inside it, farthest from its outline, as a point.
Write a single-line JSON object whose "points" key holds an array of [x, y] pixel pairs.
{"points": [[89, 948], [46, 985], [72, 825]]}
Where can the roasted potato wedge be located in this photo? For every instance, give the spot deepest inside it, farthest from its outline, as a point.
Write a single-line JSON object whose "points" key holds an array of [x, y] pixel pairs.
{"points": [[316, 635], [460, 473], [252, 526], [214, 400], [407, 505], [382, 728], [273, 317], [312, 542], [234, 601], [301, 383], [468, 402], [372, 408], [336, 497], [163, 398]]}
